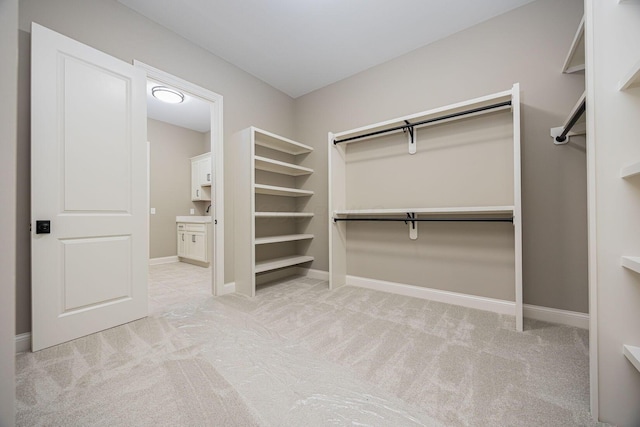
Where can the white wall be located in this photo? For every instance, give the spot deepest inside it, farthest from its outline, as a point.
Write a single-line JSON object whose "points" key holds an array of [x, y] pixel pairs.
{"points": [[613, 48], [527, 45], [8, 126], [115, 29]]}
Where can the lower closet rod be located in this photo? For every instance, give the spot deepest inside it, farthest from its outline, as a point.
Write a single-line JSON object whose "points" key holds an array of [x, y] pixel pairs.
{"points": [[428, 219]]}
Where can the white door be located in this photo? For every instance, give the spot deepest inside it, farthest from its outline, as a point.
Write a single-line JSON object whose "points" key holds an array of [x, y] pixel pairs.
{"points": [[89, 179]]}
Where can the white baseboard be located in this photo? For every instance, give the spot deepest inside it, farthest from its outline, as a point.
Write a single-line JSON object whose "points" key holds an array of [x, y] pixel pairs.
{"points": [[23, 342], [163, 260], [228, 288], [314, 274], [471, 301], [554, 315]]}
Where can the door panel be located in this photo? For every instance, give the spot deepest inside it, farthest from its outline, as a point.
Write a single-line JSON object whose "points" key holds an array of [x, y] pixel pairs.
{"points": [[89, 178]]}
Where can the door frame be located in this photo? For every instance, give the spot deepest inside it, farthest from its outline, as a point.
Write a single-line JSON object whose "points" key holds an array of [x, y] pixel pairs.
{"points": [[217, 153]]}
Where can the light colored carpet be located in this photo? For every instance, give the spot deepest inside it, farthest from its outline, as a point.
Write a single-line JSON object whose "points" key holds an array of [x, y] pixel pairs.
{"points": [[299, 354]]}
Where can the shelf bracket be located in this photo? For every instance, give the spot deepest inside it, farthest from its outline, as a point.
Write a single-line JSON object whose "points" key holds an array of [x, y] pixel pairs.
{"points": [[411, 136], [413, 227]]}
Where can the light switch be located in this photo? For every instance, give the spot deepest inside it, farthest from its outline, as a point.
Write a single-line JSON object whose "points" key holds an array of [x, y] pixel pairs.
{"points": [[192, 211], [153, 211]]}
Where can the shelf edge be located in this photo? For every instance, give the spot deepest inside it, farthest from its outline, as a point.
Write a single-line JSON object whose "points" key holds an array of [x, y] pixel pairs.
{"points": [[631, 263], [632, 353]]}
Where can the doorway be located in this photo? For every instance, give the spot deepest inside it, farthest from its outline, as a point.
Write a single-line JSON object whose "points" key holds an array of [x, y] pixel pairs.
{"points": [[199, 128]]}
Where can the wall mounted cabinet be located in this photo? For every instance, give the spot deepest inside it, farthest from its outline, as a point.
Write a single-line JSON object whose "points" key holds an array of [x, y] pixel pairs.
{"points": [[201, 177], [270, 207]]}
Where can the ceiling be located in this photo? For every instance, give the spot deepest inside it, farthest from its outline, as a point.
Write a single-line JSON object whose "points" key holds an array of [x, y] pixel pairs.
{"points": [[192, 113], [298, 46]]}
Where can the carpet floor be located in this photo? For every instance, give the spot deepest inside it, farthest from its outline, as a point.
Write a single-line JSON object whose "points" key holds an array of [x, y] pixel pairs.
{"points": [[298, 354]]}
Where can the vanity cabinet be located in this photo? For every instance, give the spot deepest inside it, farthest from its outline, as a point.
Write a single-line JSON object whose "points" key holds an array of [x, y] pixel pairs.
{"points": [[193, 241], [201, 177]]}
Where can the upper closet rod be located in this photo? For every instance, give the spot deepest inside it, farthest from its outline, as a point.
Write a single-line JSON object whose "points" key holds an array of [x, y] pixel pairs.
{"points": [[424, 122], [410, 219], [573, 120]]}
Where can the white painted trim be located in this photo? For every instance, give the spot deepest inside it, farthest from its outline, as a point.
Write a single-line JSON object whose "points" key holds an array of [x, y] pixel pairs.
{"points": [[465, 300], [23, 342], [554, 315], [229, 288], [592, 226], [314, 274], [217, 153], [163, 260]]}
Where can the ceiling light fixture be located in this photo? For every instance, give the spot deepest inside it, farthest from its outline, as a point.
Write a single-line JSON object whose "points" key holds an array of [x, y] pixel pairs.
{"points": [[168, 95]]}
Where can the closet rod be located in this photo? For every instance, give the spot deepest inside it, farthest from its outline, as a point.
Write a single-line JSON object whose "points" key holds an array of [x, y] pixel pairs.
{"points": [[428, 219], [572, 121], [424, 122]]}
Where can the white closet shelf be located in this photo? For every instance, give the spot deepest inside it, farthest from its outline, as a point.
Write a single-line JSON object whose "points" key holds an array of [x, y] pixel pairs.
{"points": [[575, 58], [279, 143], [631, 170], [284, 214], [284, 168], [435, 113], [432, 211], [272, 190], [632, 79], [282, 238], [633, 354], [632, 263], [276, 263]]}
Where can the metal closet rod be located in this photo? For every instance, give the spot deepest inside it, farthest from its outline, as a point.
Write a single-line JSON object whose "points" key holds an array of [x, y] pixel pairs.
{"points": [[424, 122], [574, 119], [427, 219]]}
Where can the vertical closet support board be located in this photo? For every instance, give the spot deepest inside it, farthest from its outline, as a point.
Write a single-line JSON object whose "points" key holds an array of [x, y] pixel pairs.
{"points": [[463, 182]]}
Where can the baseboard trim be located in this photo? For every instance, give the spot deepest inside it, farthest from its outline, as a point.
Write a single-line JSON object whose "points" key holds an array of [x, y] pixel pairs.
{"points": [[163, 260], [314, 274], [554, 315], [228, 288], [470, 301], [23, 342]]}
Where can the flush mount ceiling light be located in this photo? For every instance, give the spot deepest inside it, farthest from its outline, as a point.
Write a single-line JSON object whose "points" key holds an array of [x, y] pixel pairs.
{"points": [[168, 95]]}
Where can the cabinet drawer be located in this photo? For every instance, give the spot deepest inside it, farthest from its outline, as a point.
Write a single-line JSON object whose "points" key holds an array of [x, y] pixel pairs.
{"points": [[195, 227]]}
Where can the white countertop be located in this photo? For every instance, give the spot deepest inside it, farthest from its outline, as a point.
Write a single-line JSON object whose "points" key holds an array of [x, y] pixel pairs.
{"points": [[194, 218]]}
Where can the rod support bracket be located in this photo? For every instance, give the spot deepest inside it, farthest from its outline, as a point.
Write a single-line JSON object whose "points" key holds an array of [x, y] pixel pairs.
{"points": [[411, 136], [413, 227], [555, 134]]}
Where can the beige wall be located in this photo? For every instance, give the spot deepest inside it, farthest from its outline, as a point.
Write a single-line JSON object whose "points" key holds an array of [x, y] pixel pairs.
{"points": [[171, 148], [527, 45], [113, 28], [8, 115]]}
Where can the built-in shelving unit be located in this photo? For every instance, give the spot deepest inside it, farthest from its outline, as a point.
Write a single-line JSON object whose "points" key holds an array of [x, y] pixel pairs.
{"points": [[575, 59], [631, 79], [270, 203], [373, 181]]}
